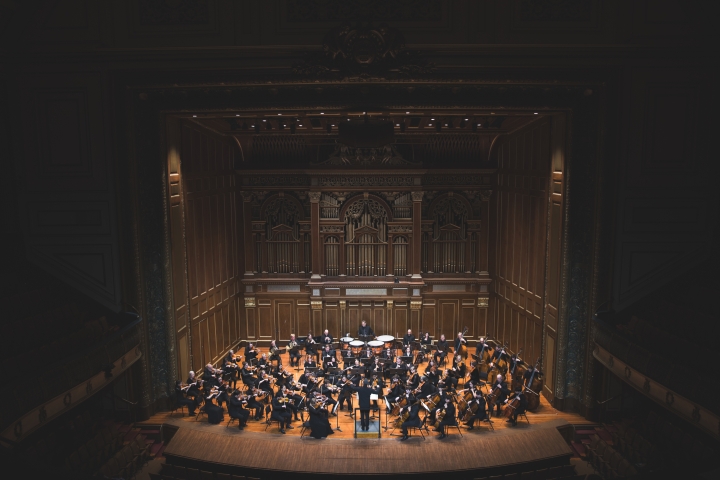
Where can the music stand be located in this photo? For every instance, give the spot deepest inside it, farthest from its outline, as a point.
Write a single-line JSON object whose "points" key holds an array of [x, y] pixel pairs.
{"points": [[407, 360], [400, 372], [366, 361], [337, 417], [365, 338]]}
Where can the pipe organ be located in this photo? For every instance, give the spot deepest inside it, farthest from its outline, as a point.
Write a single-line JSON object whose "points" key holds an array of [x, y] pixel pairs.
{"points": [[399, 250]]}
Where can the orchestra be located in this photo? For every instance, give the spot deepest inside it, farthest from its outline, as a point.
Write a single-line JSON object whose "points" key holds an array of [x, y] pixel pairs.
{"points": [[439, 397]]}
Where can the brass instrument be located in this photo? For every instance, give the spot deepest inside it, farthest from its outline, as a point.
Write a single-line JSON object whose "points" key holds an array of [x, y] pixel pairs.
{"points": [[274, 351]]}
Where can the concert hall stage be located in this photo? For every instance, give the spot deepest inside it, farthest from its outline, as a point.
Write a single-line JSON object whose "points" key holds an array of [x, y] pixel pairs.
{"points": [[264, 455]]}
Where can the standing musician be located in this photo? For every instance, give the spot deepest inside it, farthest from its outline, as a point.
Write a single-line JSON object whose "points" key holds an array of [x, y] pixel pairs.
{"points": [[346, 392], [326, 338], [520, 408], [448, 419], [319, 423], [294, 352], [181, 400], [408, 339], [504, 391], [478, 399], [250, 353], [482, 349], [365, 330], [413, 420], [460, 341], [364, 393], [281, 410], [236, 410], [442, 349]]}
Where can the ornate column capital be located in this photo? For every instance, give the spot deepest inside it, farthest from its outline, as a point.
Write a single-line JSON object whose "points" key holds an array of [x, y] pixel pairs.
{"points": [[314, 197], [316, 304], [247, 196], [390, 304], [417, 196], [249, 302], [483, 302], [485, 195], [415, 304]]}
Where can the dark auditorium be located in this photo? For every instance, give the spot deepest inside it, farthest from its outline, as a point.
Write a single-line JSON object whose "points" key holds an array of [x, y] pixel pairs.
{"points": [[345, 239]]}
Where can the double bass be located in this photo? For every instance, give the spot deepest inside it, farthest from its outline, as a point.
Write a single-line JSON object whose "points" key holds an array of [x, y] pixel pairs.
{"points": [[462, 349], [533, 388]]}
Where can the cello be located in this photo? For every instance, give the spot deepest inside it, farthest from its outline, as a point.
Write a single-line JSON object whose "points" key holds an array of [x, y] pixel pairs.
{"points": [[533, 387], [516, 370]]}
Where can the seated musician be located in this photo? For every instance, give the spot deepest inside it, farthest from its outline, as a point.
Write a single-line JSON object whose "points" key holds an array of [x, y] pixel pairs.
{"points": [[191, 378], [310, 345], [308, 381], [347, 357], [236, 409], [210, 371], [310, 362], [254, 403], [407, 352], [330, 362], [389, 353], [460, 341], [448, 419], [365, 330], [521, 407], [413, 380], [274, 352], [459, 368], [326, 338], [529, 374], [426, 341], [477, 404], [328, 392], [250, 353], [265, 385], [281, 411], [497, 355], [182, 400], [443, 393], [475, 375], [432, 374], [263, 363], [214, 412], [247, 375], [230, 368], [413, 420], [377, 368], [327, 353], [346, 393], [193, 391], [515, 362], [442, 350], [504, 391], [396, 391], [367, 353], [294, 351], [427, 388], [408, 339], [318, 422]]}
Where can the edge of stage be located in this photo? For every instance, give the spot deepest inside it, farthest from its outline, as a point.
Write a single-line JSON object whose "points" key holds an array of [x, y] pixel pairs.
{"points": [[200, 445]]}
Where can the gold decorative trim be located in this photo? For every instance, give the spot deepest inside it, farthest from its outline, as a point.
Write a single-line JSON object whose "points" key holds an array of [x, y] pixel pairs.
{"points": [[342, 304], [415, 304], [249, 302], [316, 304], [483, 302], [390, 304]]}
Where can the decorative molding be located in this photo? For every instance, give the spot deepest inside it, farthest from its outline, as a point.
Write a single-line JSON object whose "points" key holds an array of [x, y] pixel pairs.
{"points": [[365, 291], [314, 197], [455, 179], [389, 304], [415, 304], [483, 302], [275, 180], [485, 195], [417, 196], [247, 196], [249, 302], [332, 229], [342, 304], [316, 304], [315, 11], [400, 229], [283, 288], [366, 181]]}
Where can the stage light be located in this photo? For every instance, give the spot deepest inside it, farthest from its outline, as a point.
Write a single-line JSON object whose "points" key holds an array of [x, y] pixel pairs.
{"points": [[322, 113], [237, 114], [535, 113], [194, 116]]}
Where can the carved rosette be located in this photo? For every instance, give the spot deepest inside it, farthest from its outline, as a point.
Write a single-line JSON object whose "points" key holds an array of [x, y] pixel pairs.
{"points": [[249, 302], [316, 304]]}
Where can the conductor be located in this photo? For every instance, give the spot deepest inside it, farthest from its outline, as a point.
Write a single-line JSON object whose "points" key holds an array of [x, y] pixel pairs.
{"points": [[365, 330], [364, 393]]}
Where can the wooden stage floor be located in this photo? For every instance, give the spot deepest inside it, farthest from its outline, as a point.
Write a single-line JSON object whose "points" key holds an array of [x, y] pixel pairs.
{"points": [[261, 450]]}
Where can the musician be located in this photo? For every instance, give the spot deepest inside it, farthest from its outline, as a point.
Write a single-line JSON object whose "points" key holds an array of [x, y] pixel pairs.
{"points": [[475, 374], [253, 402], [326, 338], [193, 391], [310, 345], [265, 385], [521, 407], [504, 391], [448, 419], [426, 341], [414, 379], [308, 380], [310, 362], [459, 368], [250, 353], [432, 374], [365, 330], [281, 411], [515, 362], [427, 388], [399, 365], [442, 349], [481, 348], [346, 392], [330, 362], [327, 353], [397, 390], [214, 412], [408, 339], [498, 354], [364, 393], [210, 371], [274, 352], [247, 375], [347, 356], [328, 392], [377, 368], [262, 364], [478, 400], [413, 420], [367, 353], [181, 400], [294, 352], [236, 410], [460, 341], [318, 422], [529, 374], [230, 368], [191, 378], [389, 354], [442, 392]]}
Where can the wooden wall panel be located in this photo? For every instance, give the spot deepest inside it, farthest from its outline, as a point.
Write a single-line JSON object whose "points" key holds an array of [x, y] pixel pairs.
{"points": [[520, 241], [429, 320], [400, 315], [284, 316], [303, 322], [332, 321], [205, 185]]}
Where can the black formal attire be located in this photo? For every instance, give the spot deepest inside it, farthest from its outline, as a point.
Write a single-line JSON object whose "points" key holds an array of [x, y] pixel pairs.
{"points": [[281, 412], [389, 354], [254, 403], [475, 376], [364, 404], [433, 377], [366, 354], [294, 354], [325, 339], [448, 418], [193, 392], [311, 347], [236, 410], [330, 363], [529, 373], [248, 378], [345, 396], [504, 392], [521, 408], [181, 400], [408, 340], [324, 390], [458, 343], [365, 331], [250, 355], [480, 350], [310, 364], [264, 385], [413, 419], [427, 389], [441, 352], [208, 372], [319, 423], [480, 413]]}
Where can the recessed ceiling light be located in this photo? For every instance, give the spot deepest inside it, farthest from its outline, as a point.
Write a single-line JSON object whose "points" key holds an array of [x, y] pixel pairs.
{"points": [[322, 113], [364, 113], [279, 113], [264, 120], [284, 125], [432, 119], [332, 125], [237, 114], [429, 124], [535, 113], [407, 113], [194, 116], [446, 124], [466, 119], [300, 125]]}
